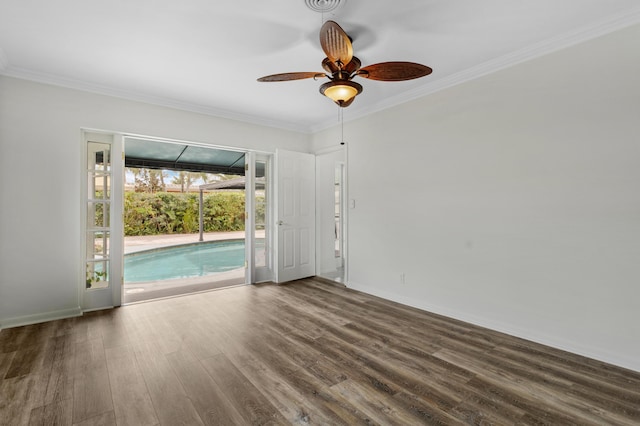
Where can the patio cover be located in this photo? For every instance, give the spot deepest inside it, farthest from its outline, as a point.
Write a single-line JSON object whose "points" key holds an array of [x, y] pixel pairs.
{"points": [[152, 154]]}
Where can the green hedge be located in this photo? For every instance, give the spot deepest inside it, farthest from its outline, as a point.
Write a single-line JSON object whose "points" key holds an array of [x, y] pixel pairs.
{"points": [[170, 213]]}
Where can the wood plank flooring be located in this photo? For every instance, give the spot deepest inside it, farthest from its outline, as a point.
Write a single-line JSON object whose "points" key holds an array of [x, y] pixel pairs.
{"points": [[308, 352]]}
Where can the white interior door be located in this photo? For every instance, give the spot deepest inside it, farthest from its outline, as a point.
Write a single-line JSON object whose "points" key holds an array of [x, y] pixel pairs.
{"points": [[295, 215]]}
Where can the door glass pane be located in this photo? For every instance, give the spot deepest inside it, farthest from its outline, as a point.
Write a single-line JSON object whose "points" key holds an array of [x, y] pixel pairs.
{"points": [[99, 156], [99, 186], [260, 214], [98, 215], [97, 274], [97, 245]]}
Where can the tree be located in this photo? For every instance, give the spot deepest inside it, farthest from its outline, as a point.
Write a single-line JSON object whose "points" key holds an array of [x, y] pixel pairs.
{"points": [[186, 179], [156, 180], [148, 180], [163, 174]]}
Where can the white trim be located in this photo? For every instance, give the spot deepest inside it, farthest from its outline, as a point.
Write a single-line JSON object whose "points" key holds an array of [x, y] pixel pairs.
{"points": [[596, 353], [347, 213], [249, 218], [116, 254], [100, 308], [100, 89], [82, 274], [580, 35], [42, 317], [588, 32]]}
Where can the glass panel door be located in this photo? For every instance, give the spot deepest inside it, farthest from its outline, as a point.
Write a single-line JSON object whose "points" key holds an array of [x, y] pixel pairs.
{"points": [[260, 214], [101, 275], [258, 231], [98, 213]]}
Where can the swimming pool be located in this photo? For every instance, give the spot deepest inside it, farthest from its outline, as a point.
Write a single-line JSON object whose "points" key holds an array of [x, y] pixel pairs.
{"points": [[184, 261]]}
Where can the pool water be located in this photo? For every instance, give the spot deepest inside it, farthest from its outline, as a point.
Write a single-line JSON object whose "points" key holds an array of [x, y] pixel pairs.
{"points": [[184, 261]]}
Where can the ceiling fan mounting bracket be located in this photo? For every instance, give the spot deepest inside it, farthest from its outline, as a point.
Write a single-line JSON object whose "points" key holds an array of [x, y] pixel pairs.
{"points": [[324, 6]]}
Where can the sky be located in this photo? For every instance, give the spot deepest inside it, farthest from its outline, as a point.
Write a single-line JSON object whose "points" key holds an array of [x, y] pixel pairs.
{"points": [[169, 175]]}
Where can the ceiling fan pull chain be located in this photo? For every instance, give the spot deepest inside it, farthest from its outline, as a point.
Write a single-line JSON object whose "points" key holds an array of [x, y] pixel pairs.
{"points": [[341, 113]]}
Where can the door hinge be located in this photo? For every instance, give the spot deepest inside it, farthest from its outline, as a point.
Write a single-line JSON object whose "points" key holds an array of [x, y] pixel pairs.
{"points": [[246, 166], [246, 264]]}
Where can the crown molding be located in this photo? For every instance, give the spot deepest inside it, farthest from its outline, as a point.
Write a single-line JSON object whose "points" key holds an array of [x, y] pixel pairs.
{"points": [[580, 35], [69, 83]]}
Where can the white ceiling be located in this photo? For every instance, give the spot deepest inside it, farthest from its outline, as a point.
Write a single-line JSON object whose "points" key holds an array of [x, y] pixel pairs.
{"points": [[205, 56]]}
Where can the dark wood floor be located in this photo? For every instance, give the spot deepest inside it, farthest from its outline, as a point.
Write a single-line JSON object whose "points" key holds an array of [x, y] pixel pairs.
{"points": [[304, 353]]}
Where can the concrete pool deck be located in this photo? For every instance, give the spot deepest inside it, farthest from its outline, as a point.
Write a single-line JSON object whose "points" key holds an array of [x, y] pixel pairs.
{"points": [[147, 242]]}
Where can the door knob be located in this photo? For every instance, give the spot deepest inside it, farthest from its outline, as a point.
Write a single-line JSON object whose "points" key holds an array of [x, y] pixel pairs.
{"points": [[280, 223]]}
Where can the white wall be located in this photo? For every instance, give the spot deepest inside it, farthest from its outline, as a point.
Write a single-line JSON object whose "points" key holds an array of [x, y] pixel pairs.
{"points": [[40, 142], [512, 201]]}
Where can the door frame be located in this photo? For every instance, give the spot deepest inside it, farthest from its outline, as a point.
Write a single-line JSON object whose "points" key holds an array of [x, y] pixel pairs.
{"points": [[327, 160], [112, 295]]}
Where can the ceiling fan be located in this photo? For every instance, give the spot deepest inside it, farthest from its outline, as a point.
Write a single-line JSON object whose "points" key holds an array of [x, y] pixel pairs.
{"points": [[342, 67]]}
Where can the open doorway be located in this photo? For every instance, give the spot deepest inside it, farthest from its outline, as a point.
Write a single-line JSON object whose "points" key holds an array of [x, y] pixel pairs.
{"points": [[331, 249], [184, 219]]}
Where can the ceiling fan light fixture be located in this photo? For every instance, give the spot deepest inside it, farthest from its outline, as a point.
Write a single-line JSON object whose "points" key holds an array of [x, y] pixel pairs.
{"points": [[341, 92]]}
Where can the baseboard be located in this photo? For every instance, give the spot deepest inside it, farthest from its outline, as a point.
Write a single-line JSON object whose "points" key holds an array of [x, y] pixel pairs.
{"points": [[328, 281], [630, 363], [37, 318], [102, 308]]}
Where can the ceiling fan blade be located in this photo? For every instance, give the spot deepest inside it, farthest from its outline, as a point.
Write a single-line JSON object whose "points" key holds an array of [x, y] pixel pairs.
{"points": [[288, 76], [336, 43], [394, 71]]}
